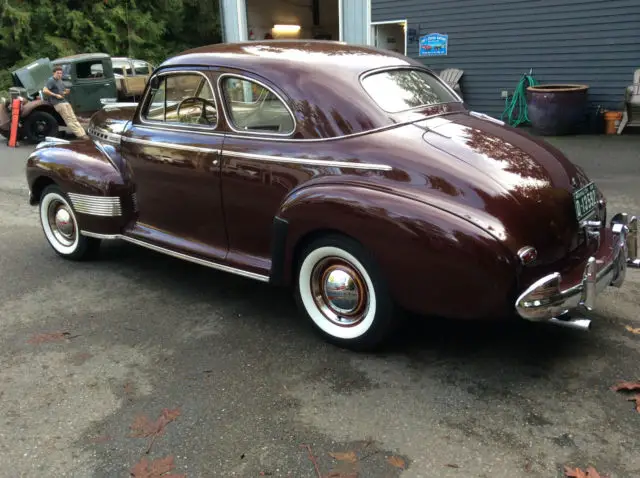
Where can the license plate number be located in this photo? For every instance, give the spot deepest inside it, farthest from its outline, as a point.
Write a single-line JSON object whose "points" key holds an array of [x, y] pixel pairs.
{"points": [[585, 200]]}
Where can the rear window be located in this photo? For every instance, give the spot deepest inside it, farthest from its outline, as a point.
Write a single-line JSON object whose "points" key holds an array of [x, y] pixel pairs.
{"points": [[405, 89]]}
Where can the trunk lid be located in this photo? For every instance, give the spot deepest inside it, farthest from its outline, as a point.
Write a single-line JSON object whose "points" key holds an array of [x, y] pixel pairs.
{"points": [[534, 182]]}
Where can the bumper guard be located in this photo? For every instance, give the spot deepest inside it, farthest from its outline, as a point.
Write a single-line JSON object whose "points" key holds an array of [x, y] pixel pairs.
{"points": [[546, 301]]}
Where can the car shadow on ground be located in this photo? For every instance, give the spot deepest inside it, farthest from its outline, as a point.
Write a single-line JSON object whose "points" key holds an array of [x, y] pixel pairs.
{"points": [[516, 340]]}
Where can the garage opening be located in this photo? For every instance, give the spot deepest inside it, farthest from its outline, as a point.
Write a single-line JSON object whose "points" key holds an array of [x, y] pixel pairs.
{"points": [[293, 19], [390, 35]]}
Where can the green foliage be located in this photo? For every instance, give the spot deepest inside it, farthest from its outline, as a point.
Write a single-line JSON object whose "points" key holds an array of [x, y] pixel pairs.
{"points": [[151, 30]]}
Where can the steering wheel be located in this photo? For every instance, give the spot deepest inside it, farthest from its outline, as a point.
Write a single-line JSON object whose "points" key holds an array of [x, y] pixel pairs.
{"points": [[203, 118]]}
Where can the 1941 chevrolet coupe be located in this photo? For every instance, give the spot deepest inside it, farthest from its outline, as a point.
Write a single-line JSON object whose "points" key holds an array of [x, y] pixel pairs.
{"points": [[354, 175]]}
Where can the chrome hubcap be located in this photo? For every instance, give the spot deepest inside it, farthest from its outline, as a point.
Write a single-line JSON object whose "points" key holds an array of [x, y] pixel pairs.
{"points": [[340, 292], [61, 223]]}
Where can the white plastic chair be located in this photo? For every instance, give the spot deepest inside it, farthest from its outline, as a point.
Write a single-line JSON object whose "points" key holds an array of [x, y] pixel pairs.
{"points": [[452, 76], [631, 114]]}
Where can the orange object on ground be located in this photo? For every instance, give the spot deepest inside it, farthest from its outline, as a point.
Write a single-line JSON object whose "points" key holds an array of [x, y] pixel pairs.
{"points": [[610, 119], [15, 119]]}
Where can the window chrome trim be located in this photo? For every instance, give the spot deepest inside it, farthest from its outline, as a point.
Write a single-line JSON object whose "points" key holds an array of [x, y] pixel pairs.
{"points": [[407, 67], [179, 255], [248, 132], [302, 140], [313, 162], [188, 127], [162, 144]]}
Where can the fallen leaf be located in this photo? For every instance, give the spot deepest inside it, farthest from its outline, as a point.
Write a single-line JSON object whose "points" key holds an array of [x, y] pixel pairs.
{"points": [[154, 469], [348, 456], [396, 461], [142, 427], [632, 330], [452, 465], [578, 473], [629, 386], [51, 337], [637, 400]]}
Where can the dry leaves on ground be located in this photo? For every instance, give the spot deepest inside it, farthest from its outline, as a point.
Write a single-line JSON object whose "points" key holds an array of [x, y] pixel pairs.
{"points": [[50, 337], [578, 473], [143, 428], [155, 469], [396, 461], [629, 387], [349, 456], [632, 330]]}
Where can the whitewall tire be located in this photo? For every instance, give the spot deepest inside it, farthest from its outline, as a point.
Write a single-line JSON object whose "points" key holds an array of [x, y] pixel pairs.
{"points": [[60, 226], [339, 287]]}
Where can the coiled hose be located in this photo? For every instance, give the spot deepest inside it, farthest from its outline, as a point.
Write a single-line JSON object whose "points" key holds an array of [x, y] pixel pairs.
{"points": [[518, 103]]}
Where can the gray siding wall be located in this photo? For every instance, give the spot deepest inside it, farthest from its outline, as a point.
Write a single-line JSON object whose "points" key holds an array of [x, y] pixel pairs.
{"points": [[355, 21], [495, 42]]}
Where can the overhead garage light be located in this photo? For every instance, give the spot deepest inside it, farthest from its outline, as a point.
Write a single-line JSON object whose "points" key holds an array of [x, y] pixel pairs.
{"points": [[286, 28]]}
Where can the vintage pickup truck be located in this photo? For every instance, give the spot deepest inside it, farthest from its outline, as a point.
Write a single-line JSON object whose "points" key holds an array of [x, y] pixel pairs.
{"points": [[93, 78]]}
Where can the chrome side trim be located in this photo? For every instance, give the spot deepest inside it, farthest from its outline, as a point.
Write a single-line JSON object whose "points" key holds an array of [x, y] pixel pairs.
{"points": [[97, 235], [179, 255], [314, 162], [252, 133], [107, 206], [134, 199], [101, 134], [243, 135], [160, 144], [51, 141]]}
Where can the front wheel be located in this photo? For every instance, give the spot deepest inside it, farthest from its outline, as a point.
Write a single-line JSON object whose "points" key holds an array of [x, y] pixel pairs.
{"points": [[60, 226], [342, 291]]}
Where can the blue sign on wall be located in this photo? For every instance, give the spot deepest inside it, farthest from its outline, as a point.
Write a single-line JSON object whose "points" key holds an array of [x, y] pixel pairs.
{"points": [[434, 44]]}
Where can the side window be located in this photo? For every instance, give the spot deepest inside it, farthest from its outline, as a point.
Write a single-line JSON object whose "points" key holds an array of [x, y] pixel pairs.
{"points": [[87, 70], [252, 107], [141, 68], [184, 99]]}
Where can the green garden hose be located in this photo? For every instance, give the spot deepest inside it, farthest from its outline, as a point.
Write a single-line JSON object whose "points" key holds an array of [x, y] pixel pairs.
{"points": [[518, 103]]}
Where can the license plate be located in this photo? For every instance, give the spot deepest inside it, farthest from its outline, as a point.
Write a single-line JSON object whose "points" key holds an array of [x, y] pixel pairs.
{"points": [[585, 200]]}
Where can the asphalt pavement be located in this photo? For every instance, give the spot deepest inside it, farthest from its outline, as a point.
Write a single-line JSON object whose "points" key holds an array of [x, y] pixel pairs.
{"points": [[141, 356]]}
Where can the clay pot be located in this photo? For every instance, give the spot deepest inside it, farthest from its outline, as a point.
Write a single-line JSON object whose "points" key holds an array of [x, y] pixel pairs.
{"points": [[557, 109]]}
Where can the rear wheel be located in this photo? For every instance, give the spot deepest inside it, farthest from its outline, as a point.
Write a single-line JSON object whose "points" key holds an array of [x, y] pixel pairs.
{"points": [[342, 291], [60, 226], [39, 125]]}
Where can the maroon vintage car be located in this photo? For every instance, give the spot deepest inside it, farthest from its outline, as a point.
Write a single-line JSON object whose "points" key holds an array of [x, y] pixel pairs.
{"points": [[352, 174]]}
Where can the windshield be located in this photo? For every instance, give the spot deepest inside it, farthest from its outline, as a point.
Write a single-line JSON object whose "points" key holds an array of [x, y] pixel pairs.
{"points": [[405, 89]]}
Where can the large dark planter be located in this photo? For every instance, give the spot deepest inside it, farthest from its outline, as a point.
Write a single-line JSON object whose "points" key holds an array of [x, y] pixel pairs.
{"points": [[556, 110]]}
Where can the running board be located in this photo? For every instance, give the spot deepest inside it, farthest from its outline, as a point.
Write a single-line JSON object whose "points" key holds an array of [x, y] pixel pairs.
{"points": [[178, 255]]}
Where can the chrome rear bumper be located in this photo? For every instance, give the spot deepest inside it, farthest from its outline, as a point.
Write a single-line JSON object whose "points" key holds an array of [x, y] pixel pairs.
{"points": [[547, 300]]}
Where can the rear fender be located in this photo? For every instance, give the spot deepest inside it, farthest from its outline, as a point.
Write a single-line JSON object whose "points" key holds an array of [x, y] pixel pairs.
{"points": [[435, 263], [93, 178]]}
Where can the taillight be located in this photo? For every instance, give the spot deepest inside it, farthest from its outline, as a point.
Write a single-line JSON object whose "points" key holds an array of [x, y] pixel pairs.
{"points": [[527, 255]]}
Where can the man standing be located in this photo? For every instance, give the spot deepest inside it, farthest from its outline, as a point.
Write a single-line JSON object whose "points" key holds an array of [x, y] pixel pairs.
{"points": [[55, 92]]}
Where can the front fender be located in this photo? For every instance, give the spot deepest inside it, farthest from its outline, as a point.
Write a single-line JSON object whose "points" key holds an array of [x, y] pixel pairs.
{"points": [[91, 176], [436, 263]]}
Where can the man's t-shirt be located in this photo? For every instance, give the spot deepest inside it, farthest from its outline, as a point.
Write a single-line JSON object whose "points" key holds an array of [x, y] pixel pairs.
{"points": [[57, 87]]}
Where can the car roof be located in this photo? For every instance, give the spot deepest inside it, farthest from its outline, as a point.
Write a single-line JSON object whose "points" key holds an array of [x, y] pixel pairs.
{"points": [[80, 57], [320, 78], [305, 54]]}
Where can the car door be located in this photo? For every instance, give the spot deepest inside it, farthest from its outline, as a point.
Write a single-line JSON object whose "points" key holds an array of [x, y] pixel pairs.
{"points": [[173, 152], [92, 81], [261, 126]]}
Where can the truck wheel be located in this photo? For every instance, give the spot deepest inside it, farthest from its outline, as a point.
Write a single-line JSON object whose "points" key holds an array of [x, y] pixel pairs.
{"points": [[39, 125]]}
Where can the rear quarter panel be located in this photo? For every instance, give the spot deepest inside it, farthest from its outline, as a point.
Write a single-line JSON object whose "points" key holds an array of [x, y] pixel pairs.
{"points": [[435, 263]]}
